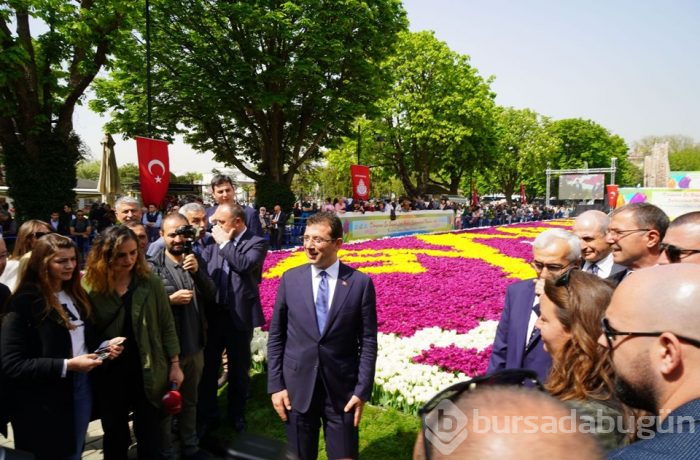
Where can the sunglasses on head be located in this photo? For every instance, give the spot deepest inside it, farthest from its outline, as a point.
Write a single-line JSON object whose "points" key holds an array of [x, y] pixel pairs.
{"points": [[37, 235], [506, 377]]}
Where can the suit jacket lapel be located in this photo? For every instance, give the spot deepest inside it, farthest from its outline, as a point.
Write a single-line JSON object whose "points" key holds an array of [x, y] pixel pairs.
{"points": [[342, 288], [307, 297]]}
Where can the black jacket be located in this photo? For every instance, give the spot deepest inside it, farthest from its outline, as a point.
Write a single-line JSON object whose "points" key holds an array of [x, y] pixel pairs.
{"points": [[33, 347], [205, 289]]}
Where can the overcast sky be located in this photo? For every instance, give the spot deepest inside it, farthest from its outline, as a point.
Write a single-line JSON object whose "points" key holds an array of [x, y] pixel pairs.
{"points": [[632, 66]]}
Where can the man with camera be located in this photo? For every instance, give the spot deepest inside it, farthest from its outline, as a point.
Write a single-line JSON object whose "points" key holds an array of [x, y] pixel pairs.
{"points": [[190, 288]]}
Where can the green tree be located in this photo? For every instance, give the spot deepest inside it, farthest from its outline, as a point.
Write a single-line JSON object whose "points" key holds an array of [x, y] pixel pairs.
{"points": [[190, 177], [46, 65], [685, 160], [676, 143], [586, 141], [524, 148], [89, 170], [261, 84], [439, 119], [128, 175]]}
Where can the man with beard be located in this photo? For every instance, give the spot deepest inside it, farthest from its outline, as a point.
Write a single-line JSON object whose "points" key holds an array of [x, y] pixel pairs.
{"points": [[652, 329], [189, 288], [591, 227], [635, 233]]}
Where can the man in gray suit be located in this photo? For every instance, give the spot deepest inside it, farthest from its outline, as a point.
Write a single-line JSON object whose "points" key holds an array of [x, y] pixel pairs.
{"points": [[591, 228]]}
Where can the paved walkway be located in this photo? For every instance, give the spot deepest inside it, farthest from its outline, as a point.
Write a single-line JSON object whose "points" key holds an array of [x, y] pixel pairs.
{"points": [[93, 443]]}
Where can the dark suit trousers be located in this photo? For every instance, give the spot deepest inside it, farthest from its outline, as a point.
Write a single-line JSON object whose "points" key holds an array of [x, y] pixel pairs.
{"points": [[221, 336], [277, 237], [341, 436]]}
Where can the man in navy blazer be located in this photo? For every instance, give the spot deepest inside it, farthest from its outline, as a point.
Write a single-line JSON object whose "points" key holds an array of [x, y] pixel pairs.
{"points": [[322, 346], [518, 343], [234, 262]]}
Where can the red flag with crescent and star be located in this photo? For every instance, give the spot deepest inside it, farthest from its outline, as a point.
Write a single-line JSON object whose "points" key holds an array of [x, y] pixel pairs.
{"points": [[154, 169]]}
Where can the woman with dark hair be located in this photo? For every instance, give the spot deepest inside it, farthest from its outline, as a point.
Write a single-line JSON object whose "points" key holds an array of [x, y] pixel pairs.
{"points": [[28, 233], [45, 353], [571, 309], [130, 301]]}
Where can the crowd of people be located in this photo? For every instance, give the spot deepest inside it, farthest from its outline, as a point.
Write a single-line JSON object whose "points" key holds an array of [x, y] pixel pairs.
{"points": [[608, 328]]}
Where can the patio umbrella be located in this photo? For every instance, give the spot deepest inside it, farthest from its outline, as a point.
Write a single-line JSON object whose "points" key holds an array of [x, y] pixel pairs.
{"points": [[108, 185]]}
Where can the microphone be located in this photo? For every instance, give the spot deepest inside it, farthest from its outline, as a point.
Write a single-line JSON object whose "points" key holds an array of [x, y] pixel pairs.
{"points": [[172, 401]]}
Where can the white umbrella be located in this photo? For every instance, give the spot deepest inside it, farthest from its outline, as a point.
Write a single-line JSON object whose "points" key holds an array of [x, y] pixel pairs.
{"points": [[108, 185]]}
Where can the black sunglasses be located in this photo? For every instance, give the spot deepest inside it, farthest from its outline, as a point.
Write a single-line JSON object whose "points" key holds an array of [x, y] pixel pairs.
{"points": [[507, 377], [610, 334], [675, 254]]}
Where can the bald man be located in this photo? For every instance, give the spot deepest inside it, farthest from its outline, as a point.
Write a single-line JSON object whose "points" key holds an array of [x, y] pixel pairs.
{"points": [[682, 240], [652, 328], [523, 440], [591, 228]]}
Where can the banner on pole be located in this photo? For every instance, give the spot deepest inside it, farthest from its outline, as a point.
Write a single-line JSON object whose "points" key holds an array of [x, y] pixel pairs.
{"points": [[154, 169], [523, 196], [360, 182]]}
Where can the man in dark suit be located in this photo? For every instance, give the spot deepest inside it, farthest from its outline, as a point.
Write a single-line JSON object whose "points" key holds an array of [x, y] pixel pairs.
{"points": [[234, 262], [223, 191], [635, 234], [322, 346], [658, 373], [277, 223], [591, 227], [518, 343]]}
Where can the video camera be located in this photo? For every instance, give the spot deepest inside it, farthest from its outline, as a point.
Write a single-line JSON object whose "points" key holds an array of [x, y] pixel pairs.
{"points": [[190, 233]]}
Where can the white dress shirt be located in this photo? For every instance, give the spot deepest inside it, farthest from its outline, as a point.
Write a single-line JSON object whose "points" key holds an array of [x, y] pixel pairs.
{"points": [[605, 266], [332, 277]]}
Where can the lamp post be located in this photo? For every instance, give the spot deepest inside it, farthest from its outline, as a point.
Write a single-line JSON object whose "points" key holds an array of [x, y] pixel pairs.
{"points": [[359, 142]]}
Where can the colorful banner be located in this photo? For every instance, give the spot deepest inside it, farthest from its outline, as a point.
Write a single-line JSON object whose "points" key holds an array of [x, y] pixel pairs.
{"points": [[360, 182], [674, 202], [380, 225], [154, 169], [684, 179]]}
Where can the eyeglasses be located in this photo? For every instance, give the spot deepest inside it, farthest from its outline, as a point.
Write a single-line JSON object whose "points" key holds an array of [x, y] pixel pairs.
{"points": [[675, 254], [316, 240], [619, 234], [508, 377], [551, 268], [610, 334]]}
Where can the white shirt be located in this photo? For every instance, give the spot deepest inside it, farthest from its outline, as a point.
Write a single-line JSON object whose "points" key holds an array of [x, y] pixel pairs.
{"points": [[77, 334], [332, 277], [604, 266], [533, 320]]}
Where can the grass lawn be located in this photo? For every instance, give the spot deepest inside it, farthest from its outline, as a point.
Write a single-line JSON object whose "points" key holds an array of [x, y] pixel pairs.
{"points": [[384, 433]]}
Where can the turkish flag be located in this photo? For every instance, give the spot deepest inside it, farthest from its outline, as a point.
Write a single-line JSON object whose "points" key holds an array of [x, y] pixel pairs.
{"points": [[154, 169], [475, 196], [360, 182], [523, 197], [613, 192]]}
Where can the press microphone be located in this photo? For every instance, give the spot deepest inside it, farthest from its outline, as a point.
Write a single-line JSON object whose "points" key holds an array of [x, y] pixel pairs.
{"points": [[172, 401]]}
